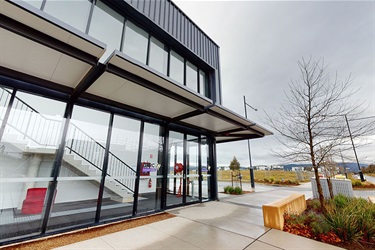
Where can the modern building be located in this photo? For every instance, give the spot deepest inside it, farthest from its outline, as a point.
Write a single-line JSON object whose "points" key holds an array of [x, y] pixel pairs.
{"points": [[109, 109]]}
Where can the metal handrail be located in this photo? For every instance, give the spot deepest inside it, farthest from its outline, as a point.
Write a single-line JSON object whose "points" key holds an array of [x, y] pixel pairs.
{"points": [[18, 123]]}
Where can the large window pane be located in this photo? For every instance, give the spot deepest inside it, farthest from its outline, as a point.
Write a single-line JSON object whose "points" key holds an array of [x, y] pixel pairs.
{"points": [[203, 84], [135, 42], [74, 13], [27, 153], [35, 3], [158, 58], [81, 170], [176, 68], [122, 167], [106, 25], [192, 169], [175, 168], [206, 175], [191, 76], [151, 169]]}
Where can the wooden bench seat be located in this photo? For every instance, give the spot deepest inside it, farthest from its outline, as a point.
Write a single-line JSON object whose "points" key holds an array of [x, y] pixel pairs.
{"points": [[273, 213]]}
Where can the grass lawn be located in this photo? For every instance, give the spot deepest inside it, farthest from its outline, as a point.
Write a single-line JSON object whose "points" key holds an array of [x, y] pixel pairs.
{"points": [[270, 176]]}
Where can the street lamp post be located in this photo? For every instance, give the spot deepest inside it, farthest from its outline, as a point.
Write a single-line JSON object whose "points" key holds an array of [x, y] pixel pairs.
{"points": [[248, 145], [355, 153]]}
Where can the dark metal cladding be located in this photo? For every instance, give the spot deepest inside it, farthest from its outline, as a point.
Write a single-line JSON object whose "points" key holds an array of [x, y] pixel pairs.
{"points": [[168, 16]]}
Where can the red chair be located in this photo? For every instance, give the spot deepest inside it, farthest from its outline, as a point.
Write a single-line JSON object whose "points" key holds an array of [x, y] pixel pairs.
{"points": [[33, 204]]}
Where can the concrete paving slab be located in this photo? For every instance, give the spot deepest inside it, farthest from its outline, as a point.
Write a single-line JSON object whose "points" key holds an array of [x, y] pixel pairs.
{"points": [[96, 243], [293, 242], [257, 245]]}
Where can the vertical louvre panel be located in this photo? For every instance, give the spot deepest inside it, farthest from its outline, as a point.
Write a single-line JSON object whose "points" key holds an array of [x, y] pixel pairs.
{"points": [[169, 17], [141, 5], [178, 26], [158, 12], [162, 13], [152, 10], [166, 16], [183, 30], [146, 9], [175, 27]]}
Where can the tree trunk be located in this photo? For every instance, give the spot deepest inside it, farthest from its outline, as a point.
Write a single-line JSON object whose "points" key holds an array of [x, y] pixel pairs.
{"points": [[320, 190], [330, 187]]}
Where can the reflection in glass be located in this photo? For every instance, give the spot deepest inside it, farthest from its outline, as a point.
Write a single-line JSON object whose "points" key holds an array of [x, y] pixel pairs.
{"points": [[192, 169], [74, 13], [35, 3], [122, 166], [81, 170], [176, 168], [106, 26], [158, 58], [27, 153], [205, 169], [191, 76], [203, 84], [150, 183], [135, 42], [176, 67]]}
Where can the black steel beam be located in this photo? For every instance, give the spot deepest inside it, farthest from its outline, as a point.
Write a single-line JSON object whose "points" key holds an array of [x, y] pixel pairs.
{"points": [[104, 170], [91, 76], [46, 40], [139, 162], [187, 115], [31, 83]]}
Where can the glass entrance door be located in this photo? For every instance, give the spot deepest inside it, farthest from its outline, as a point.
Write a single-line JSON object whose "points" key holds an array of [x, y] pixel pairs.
{"points": [[192, 169], [176, 169], [184, 169]]}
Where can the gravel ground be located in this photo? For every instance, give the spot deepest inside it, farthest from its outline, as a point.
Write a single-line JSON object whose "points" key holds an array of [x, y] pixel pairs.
{"points": [[84, 234]]}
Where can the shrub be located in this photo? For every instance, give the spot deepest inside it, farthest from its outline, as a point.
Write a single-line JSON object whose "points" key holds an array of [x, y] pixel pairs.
{"points": [[341, 201], [357, 183], [237, 190], [313, 205], [228, 189]]}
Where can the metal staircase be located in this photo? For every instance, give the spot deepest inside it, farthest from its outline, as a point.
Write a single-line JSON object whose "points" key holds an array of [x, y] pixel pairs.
{"points": [[32, 132]]}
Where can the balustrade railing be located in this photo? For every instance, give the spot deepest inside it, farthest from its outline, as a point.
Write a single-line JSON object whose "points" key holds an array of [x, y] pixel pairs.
{"points": [[45, 131]]}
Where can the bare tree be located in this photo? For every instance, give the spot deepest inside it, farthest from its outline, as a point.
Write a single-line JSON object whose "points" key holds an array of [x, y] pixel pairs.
{"points": [[311, 120]]}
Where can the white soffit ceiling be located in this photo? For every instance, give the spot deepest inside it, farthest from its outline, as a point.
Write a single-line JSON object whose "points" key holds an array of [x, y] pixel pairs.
{"points": [[236, 117], [118, 89], [123, 63], [29, 57], [47, 25], [210, 122]]}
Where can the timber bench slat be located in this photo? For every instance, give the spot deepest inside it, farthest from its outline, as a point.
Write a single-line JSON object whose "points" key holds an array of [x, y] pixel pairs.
{"points": [[273, 213]]}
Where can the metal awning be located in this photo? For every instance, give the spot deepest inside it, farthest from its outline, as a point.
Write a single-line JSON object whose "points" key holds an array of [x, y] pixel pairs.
{"points": [[42, 50], [134, 84], [36, 44]]}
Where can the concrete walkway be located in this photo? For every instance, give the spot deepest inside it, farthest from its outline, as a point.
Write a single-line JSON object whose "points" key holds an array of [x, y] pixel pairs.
{"points": [[232, 223]]}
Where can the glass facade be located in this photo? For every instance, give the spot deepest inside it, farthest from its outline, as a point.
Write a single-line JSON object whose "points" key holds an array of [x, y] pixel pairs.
{"points": [[135, 42], [105, 172], [67, 163], [158, 58], [112, 28], [151, 172], [191, 76], [176, 67], [74, 13], [27, 152]]}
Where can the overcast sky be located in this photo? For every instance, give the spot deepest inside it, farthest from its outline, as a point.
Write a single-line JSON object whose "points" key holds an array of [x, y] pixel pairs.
{"points": [[260, 44]]}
